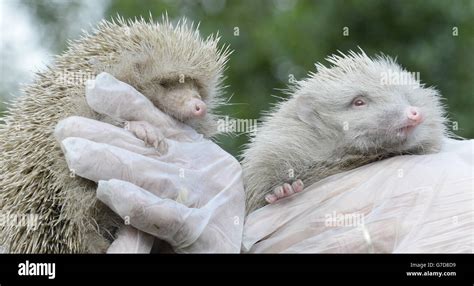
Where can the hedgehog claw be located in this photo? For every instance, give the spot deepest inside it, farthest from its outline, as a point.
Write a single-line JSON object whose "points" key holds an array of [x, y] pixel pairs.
{"points": [[284, 191], [149, 134]]}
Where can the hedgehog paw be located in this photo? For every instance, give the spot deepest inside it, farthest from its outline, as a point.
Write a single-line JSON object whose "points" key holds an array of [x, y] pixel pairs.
{"points": [[151, 135], [284, 191]]}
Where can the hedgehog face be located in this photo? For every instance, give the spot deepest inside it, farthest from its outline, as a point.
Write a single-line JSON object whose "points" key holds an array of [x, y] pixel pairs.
{"points": [[171, 64], [171, 91], [374, 106], [182, 99]]}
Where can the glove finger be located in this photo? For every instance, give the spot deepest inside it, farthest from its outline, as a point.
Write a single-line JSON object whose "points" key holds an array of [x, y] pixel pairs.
{"points": [[176, 152], [98, 161], [166, 219], [101, 132]]}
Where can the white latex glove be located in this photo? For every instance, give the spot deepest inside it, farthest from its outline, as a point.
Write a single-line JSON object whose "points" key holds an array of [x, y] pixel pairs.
{"points": [[191, 196]]}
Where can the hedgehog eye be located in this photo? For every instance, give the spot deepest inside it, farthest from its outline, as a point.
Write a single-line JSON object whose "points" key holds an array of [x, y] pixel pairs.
{"points": [[165, 84], [358, 102]]}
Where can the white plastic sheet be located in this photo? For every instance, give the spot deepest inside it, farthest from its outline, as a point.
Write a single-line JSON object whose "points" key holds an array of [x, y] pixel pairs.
{"points": [[405, 204]]}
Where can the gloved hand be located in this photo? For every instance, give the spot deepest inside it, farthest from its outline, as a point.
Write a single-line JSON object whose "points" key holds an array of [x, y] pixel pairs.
{"points": [[191, 195]]}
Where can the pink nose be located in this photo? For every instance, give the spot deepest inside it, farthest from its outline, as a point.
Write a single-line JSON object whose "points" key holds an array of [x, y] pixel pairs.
{"points": [[414, 115], [200, 109]]}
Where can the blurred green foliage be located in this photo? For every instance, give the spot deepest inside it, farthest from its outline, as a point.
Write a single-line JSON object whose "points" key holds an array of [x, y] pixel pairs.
{"points": [[280, 38]]}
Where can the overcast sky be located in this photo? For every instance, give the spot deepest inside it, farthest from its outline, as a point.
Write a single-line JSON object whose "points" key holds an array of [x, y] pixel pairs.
{"points": [[28, 44]]}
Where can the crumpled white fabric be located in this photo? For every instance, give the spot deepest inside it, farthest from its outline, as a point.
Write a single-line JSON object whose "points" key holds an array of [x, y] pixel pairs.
{"points": [[406, 204], [191, 196]]}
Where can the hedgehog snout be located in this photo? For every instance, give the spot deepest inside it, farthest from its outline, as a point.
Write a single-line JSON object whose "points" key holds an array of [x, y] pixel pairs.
{"points": [[414, 115], [412, 118], [198, 107]]}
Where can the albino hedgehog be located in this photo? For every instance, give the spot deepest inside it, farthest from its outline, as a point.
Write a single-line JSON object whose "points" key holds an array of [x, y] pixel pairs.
{"points": [[339, 118], [175, 68]]}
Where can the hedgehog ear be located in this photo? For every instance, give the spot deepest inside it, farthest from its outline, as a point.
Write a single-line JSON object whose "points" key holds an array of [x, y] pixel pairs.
{"points": [[306, 111]]}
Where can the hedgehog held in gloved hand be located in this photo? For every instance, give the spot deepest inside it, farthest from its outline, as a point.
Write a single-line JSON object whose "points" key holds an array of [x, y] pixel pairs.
{"points": [[177, 70]]}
